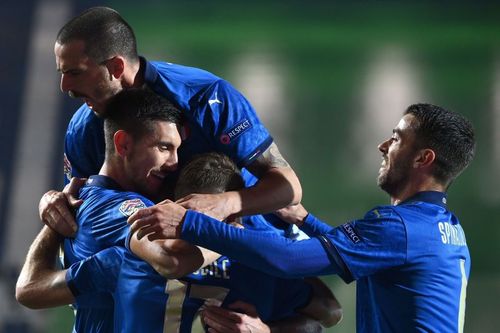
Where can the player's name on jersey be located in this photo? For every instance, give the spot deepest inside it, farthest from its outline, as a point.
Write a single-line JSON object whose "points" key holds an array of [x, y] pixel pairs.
{"points": [[217, 269], [451, 234]]}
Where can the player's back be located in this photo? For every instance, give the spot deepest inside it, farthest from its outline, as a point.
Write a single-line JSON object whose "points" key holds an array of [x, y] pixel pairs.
{"points": [[218, 117], [431, 284]]}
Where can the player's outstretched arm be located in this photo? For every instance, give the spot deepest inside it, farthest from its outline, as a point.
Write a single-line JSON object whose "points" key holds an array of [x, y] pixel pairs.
{"points": [[278, 186], [40, 283], [55, 208], [324, 306], [308, 223], [266, 252], [172, 258], [243, 318]]}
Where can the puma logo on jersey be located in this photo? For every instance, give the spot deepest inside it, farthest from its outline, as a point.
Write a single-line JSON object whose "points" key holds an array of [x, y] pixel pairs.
{"points": [[214, 101]]}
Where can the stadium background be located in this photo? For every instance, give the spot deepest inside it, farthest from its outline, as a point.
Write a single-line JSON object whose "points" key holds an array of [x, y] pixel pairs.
{"points": [[330, 79]]}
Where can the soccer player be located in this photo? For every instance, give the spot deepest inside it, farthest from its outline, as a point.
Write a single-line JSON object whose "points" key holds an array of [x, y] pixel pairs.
{"points": [[148, 302], [142, 139], [410, 259], [97, 57], [141, 303]]}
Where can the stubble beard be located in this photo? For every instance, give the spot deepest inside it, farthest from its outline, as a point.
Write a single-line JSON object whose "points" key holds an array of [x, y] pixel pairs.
{"points": [[393, 180]]}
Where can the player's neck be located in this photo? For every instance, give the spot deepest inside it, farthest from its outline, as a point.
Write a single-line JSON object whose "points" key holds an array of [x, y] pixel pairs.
{"points": [[115, 171], [412, 188], [134, 75]]}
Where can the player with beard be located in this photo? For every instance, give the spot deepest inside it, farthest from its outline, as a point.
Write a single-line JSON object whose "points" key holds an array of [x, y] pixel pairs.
{"points": [[410, 259], [96, 56]]}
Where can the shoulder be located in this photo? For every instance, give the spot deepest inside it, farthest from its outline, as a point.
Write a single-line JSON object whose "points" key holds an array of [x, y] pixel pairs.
{"points": [[421, 213], [383, 213], [129, 203], [104, 214], [378, 225], [124, 203], [83, 118], [186, 74], [183, 85], [194, 78], [84, 129]]}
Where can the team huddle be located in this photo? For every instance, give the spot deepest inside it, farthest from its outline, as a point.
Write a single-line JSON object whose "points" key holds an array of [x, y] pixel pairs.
{"points": [[179, 206]]}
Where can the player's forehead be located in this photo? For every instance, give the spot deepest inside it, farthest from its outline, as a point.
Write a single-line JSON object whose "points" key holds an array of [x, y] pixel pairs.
{"points": [[164, 132], [406, 125], [71, 54]]}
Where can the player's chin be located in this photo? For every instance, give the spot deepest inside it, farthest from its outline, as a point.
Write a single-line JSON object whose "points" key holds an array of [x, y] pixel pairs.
{"points": [[382, 177], [98, 109]]}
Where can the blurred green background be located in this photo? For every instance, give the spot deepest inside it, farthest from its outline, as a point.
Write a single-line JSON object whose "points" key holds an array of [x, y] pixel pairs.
{"points": [[331, 79]]}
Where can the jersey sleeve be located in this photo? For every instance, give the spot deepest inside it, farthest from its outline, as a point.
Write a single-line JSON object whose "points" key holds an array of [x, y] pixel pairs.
{"points": [[97, 273], [83, 145], [374, 243], [229, 120], [265, 251], [313, 226]]}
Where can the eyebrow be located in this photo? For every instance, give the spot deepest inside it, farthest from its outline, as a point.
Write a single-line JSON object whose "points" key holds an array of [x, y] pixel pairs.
{"points": [[59, 70], [396, 131], [165, 143]]}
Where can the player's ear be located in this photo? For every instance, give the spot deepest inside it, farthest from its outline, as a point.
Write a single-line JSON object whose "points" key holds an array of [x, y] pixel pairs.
{"points": [[116, 66], [424, 158], [122, 141]]}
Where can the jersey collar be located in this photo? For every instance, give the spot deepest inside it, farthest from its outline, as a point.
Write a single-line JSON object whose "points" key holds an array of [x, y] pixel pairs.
{"points": [[432, 197], [150, 72], [103, 181]]}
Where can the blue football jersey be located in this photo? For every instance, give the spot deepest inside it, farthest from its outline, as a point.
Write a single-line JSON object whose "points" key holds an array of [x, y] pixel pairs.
{"points": [[147, 302], [102, 222], [411, 261], [83, 145], [97, 273], [218, 118]]}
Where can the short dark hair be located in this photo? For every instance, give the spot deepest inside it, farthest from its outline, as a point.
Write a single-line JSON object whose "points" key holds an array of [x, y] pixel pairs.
{"points": [[209, 173], [135, 110], [449, 134], [105, 34]]}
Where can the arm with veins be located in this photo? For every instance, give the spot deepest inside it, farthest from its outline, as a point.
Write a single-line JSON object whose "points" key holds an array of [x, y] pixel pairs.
{"points": [[40, 283]]}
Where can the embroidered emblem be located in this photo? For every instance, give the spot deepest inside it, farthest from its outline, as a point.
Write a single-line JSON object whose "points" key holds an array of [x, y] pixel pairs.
{"points": [[129, 207]]}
